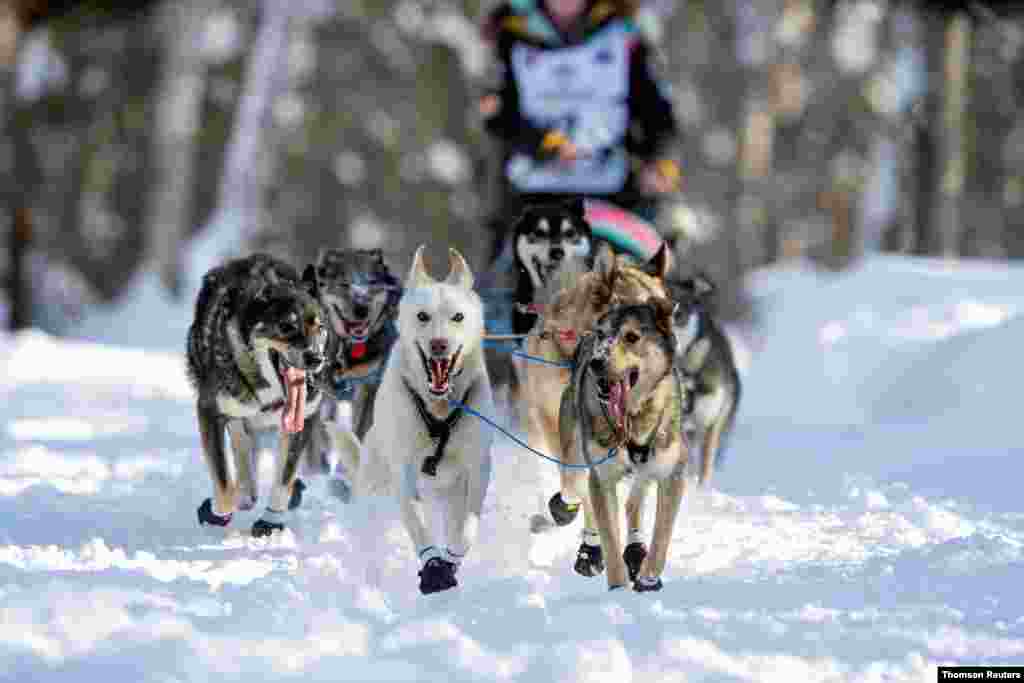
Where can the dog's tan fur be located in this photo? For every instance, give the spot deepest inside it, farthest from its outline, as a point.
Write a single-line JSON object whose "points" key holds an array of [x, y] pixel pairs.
{"points": [[572, 313], [654, 409]]}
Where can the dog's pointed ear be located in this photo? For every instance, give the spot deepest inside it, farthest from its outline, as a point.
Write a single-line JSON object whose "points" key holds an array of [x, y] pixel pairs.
{"points": [[604, 261], [418, 275], [459, 273], [702, 285], [664, 314], [310, 281], [577, 207], [661, 262]]}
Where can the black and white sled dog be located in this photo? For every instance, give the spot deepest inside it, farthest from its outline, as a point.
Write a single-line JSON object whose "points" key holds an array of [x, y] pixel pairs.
{"points": [[705, 357], [432, 455], [548, 238], [256, 357]]}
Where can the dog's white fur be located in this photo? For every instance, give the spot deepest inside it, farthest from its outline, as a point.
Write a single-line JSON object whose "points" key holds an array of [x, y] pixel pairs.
{"points": [[398, 442]]}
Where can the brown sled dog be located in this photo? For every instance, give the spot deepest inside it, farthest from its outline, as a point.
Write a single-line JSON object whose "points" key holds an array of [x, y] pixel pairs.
{"points": [[627, 395], [567, 316]]}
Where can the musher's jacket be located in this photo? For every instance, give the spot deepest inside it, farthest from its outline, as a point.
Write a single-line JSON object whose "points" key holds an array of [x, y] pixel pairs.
{"points": [[594, 88]]}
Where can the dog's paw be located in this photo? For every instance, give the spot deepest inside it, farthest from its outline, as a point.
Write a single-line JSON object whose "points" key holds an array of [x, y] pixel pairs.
{"points": [[634, 556], [208, 516], [589, 560], [437, 575], [563, 513], [262, 528], [296, 499], [646, 584]]}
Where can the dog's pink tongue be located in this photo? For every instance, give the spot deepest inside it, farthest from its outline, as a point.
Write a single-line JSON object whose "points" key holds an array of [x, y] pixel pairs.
{"points": [[617, 404], [294, 414], [439, 373]]}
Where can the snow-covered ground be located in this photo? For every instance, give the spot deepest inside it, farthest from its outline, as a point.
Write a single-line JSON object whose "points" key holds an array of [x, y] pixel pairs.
{"points": [[867, 525]]}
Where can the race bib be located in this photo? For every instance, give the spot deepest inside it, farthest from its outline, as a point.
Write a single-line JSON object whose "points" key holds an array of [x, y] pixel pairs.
{"points": [[581, 91]]}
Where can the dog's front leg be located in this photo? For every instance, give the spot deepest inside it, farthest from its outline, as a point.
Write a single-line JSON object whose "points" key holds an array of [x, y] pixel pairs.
{"points": [[286, 471], [635, 551], [437, 573], [218, 510], [605, 500], [243, 447], [413, 515], [670, 495], [465, 506], [362, 409]]}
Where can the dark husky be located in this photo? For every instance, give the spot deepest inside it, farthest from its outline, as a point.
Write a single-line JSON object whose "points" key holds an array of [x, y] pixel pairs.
{"points": [[256, 352], [706, 360], [626, 394], [361, 297]]}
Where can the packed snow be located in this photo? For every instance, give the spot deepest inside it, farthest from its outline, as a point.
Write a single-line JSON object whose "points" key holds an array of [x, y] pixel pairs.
{"points": [[865, 527]]}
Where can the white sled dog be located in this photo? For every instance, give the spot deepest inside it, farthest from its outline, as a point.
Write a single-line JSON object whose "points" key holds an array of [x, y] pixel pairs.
{"points": [[435, 457]]}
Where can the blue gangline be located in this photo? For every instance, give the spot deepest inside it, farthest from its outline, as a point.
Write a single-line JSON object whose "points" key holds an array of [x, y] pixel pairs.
{"points": [[611, 452], [538, 359]]}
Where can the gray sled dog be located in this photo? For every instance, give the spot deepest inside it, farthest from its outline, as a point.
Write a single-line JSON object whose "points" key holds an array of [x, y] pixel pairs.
{"points": [[704, 355], [255, 353], [433, 455], [626, 394], [360, 297]]}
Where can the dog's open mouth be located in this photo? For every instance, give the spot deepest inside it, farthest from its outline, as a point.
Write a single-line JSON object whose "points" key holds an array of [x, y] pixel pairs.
{"points": [[544, 270], [613, 395], [356, 330], [440, 370], [293, 384]]}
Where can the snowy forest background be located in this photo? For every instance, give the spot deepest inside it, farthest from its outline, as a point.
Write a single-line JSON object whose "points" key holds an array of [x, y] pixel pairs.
{"points": [[810, 127]]}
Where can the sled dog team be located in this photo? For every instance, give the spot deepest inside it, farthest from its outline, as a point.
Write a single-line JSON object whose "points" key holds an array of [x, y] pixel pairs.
{"points": [[625, 369]]}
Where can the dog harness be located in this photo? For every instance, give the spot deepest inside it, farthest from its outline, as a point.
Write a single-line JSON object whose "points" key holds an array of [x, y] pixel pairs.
{"points": [[379, 346], [641, 453], [438, 429]]}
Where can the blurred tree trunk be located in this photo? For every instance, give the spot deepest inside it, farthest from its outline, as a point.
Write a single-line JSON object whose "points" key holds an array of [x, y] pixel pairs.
{"points": [[755, 50], [248, 167], [953, 149], [443, 105], [18, 173], [179, 96], [925, 134]]}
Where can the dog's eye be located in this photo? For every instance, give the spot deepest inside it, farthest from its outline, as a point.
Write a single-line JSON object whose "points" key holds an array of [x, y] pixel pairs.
{"points": [[631, 337], [458, 318], [423, 317]]}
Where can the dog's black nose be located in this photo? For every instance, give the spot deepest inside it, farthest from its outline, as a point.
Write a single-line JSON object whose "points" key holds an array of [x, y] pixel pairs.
{"points": [[313, 360], [438, 347], [557, 253], [360, 311], [598, 365]]}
